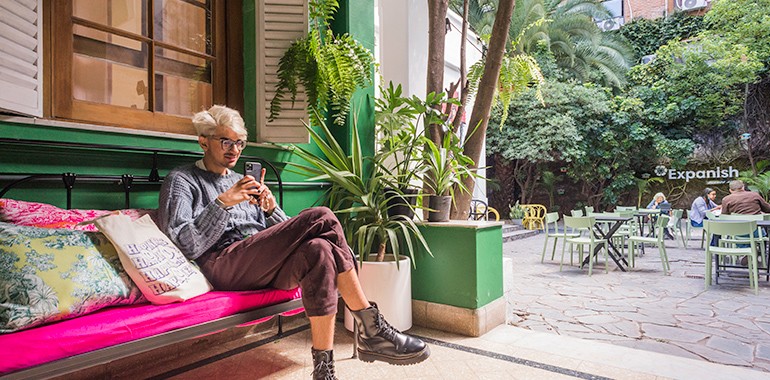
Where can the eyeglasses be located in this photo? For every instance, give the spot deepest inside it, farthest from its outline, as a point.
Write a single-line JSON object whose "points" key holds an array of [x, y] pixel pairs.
{"points": [[227, 144]]}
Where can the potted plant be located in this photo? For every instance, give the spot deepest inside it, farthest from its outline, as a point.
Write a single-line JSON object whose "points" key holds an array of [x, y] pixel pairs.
{"points": [[446, 168], [400, 147], [401, 142], [517, 213], [383, 243]]}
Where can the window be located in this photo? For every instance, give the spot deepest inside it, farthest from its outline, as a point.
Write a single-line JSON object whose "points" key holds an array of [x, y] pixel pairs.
{"points": [[278, 24], [20, 80], [615, 7], [144, 64]]}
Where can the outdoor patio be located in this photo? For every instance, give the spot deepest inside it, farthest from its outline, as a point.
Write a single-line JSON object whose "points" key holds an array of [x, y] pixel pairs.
{"points": [[621, 325], [642, 308]]}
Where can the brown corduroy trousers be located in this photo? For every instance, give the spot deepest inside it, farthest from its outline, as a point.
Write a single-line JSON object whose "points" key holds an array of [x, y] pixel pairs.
{"points": [[308, 251]]}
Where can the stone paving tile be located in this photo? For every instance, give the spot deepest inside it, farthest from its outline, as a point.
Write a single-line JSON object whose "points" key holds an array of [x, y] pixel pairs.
{"points": [[713, 355], [642, 308], [732, 347], [672, 334], [763, 351]]}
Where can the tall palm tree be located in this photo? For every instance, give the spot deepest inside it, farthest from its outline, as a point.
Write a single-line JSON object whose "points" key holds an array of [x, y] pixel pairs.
{"points": [[581, 48], [567, 28]]}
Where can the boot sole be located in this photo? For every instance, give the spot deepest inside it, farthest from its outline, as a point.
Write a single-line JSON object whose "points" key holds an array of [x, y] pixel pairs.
{"points": [[417, 357]]}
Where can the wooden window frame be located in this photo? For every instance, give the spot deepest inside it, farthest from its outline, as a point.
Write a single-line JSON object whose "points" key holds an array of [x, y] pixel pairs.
{"points": [[227, 71]]}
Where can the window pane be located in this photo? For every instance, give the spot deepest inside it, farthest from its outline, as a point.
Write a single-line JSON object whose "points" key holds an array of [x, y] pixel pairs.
{"points": [[183, 24], [615, 7], [183, 83], [128, 15], [109, 72]]}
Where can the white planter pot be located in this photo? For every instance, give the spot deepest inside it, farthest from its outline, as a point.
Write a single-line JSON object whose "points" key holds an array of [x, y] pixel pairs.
{"points": [[390, 288]]}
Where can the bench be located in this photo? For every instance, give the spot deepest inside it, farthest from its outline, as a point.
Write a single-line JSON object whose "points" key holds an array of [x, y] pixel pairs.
{"points": [[117, 332]]}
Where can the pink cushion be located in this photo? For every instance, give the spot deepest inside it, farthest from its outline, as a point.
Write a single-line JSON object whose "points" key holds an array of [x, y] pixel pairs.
{"points": [[115, 325], [43, 215]]}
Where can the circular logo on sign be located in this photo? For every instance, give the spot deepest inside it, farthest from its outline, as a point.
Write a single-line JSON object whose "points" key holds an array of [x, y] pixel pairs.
{"points": [[660, 170]]}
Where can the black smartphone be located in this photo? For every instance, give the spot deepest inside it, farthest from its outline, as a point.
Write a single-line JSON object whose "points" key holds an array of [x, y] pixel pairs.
{"points": [[253, 169]]}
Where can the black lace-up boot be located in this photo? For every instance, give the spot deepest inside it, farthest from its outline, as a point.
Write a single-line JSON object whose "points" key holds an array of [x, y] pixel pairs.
{"points": [[323, 365], [378, 340]]}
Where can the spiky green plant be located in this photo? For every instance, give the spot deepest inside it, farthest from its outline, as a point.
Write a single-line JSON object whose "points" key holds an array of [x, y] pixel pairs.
{"points": [[359, 199], [329, 66]]}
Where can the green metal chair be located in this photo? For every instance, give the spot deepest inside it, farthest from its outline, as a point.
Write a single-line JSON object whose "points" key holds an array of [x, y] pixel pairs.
{"points": [[732, 228], [675, 223], [660, 224], [760, 234], [551, 230], [584, 223], [577, 213], [709, 215]]}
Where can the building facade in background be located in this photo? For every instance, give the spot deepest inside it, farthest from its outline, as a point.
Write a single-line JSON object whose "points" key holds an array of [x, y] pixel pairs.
{"points": [[627, 10]]}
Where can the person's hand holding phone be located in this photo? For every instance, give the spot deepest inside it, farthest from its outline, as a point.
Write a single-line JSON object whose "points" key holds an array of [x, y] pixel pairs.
{"points": [[262, 195], [265, 197]]}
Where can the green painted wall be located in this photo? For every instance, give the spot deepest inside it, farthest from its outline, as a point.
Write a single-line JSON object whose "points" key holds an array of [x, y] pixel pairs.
{"points": [[28, 159], [466, 269]]}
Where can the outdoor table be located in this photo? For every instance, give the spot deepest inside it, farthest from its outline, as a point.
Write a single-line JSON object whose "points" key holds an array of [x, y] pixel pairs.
{"points": [[765, 225], [612, 251], [642, 216]]}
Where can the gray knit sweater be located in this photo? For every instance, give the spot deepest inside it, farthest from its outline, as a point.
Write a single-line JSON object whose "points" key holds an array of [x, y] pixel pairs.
{"points": [[188, 215]]}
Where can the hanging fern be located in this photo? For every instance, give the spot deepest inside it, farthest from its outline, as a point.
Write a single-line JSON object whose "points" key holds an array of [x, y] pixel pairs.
{"points": [[330, 67]]}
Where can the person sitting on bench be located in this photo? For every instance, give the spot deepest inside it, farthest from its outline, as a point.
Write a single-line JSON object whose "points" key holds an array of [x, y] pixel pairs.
{"points": [[232, 227]]}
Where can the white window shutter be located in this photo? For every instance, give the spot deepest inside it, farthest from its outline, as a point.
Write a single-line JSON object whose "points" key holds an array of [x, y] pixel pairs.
{"points": [[21, 57], [278, 24]]}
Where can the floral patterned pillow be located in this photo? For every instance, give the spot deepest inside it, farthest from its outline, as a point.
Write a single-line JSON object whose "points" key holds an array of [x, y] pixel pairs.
{"points": [[47, 275], [48, 216]]}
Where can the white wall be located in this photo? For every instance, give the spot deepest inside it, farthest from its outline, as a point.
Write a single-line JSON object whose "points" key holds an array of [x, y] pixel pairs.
{"points": [[401, 48]]}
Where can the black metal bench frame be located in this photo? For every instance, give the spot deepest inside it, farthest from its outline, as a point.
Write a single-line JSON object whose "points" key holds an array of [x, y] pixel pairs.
{"points": [[108, 354]]}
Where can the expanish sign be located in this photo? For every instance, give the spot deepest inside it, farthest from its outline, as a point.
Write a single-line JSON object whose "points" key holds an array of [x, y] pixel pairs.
{"points": [[687, 175]]}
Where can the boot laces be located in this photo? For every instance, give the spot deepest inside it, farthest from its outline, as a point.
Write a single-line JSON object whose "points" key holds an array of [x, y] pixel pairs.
{"points": [[386, 330], [324, 370]]}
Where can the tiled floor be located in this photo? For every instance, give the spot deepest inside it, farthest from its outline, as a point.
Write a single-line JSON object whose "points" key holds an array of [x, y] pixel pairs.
{"points": [[505, 353], [643, 308]]}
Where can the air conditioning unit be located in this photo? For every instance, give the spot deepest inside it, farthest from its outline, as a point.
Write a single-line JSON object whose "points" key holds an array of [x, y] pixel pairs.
{"points": [[690, 5], [648, 59], [611, 23]]}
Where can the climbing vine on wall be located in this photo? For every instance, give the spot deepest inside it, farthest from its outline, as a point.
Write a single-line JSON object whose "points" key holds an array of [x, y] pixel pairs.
{"points": [[647, 36]]}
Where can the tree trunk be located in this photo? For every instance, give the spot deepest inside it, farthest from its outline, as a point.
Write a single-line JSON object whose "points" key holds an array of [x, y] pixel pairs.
{"points": [[436, 40], [483, 103], [381, 252], [463, 81]]}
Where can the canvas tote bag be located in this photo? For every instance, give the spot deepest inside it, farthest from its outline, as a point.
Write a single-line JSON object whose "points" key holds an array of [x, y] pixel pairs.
{"points": [[156, 265]]}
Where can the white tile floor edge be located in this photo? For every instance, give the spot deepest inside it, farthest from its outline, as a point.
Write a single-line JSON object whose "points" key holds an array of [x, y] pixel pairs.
{"points": [[605, 354]]}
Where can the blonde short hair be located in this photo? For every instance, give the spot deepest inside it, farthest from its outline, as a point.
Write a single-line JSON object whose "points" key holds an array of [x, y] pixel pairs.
{"points": [[206, 122]]}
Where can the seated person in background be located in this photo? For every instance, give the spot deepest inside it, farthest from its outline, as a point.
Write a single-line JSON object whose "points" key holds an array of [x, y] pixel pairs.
{"points": [[231, 226], [701, 205], [659, 202], [741, 201]]}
